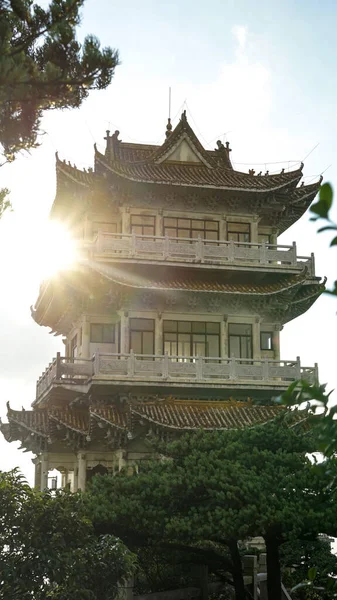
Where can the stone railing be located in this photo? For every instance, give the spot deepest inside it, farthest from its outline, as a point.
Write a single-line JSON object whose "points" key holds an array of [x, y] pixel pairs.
{"points": [[175, 369], [157, 248]]}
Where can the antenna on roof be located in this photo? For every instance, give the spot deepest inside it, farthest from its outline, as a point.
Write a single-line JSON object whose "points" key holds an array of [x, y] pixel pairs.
{"points": [[169, 102]]}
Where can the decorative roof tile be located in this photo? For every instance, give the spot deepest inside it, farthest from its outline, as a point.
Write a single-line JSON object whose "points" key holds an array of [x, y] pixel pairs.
{"points": [[189, 415], [197, 175], [110, 414]]}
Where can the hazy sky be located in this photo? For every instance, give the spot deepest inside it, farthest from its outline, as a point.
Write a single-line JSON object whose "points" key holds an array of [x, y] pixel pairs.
{"points": [[259, 74]]}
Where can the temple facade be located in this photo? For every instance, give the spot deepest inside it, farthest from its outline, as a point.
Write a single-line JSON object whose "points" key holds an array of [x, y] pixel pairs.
{"points": [[171, 316]]}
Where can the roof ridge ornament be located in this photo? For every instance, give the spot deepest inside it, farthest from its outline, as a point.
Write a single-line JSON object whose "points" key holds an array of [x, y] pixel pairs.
{"points": [[168, 128], [223, 154]]}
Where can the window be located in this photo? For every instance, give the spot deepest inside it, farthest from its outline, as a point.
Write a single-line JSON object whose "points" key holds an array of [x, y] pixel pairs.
{"points": [[191, 338], [240, 340], [264, 238], [266, 340], [102, 333], [238, 232], [191, 228], [143, 224], [142, 336], [73, 347]]}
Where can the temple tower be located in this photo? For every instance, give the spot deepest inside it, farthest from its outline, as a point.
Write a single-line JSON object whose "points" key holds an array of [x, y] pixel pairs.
{"points": [[172, 315]]}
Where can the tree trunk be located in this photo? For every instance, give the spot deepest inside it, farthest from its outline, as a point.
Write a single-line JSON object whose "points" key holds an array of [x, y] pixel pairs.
{"points": [[273, 569], [237, 571]]}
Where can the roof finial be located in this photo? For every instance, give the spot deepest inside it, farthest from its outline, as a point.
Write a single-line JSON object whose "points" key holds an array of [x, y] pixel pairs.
{"points": [[183, 116], [168, 128]]}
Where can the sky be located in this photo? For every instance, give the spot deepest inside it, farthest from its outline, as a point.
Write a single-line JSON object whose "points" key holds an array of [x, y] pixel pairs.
{"points": [[260, 75]]}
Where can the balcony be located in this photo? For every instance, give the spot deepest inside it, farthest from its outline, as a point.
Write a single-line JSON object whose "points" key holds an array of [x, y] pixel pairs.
{"points": [[173, 371], [268, 257]]}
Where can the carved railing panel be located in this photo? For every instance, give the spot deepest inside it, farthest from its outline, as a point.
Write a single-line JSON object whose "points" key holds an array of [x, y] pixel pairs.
{"points": [[132, 366], [200, 250]]}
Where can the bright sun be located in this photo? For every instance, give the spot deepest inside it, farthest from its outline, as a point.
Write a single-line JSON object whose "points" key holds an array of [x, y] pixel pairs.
{"points": [[59, 250]]}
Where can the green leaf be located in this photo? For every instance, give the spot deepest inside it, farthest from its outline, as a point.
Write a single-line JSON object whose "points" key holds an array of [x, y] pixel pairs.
{"points": [[312, 573], [322, 207]]}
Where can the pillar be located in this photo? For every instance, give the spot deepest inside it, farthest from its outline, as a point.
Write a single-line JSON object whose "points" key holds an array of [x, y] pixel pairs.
{"points": [[75, 480], [224, 338], [124, 329], [37, 473], [86, 338], [158, 343], [82, 471], [256, 339], [223, 229], [159, 223], [126, 228], [254, 237], [44, 471]]}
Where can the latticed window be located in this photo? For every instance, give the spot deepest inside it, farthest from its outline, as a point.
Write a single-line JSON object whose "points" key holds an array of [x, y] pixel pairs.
{"points": [[238, 232], [143, 224], [240, 340], [191, 228], [102, 333], [142, 336], [191, 338]]}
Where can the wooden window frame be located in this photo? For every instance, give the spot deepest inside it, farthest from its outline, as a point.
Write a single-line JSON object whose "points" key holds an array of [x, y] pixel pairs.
{"points": [[144, 224], [203, 230], [191, 335], [239, 233], [103, 325], [240, 336], [153, 331]]}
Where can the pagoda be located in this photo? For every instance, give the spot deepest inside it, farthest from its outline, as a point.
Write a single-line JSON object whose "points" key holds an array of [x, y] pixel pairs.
{"points": [[171, 316]]}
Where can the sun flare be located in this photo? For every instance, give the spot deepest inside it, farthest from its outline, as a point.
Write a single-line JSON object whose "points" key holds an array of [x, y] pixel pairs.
{"points": [[59, 250]]}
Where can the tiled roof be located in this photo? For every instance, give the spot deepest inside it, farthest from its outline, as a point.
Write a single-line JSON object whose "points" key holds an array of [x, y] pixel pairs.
{"points": [[110, 414], [169, 413], [201, 282], [198, 176], [82, 177], [184, 414]]}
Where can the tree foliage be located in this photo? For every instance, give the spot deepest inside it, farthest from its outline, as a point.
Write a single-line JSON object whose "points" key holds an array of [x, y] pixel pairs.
{"points": [[49, 549], [214, 489], [43, 67]]}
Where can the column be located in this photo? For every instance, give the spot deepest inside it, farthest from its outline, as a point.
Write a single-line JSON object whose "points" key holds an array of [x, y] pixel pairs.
{"points": [[224, 337], [86, 338], [37, 473], [44, 471], [82, 471], [159, 223], [126, 220], [158, 343], [124, 329], [223, 228], [256, 339], [75, 480], [254, 231]]}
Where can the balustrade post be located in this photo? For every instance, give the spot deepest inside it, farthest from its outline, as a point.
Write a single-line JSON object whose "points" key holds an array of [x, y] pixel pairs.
{"points": [[165, 364], [298, 367], [96, 362], [199, 365], [263, 254], [58, 373], [265, 369], [293, 254], [199, 247], [166, 247], [131, 364], [232, 368]]}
